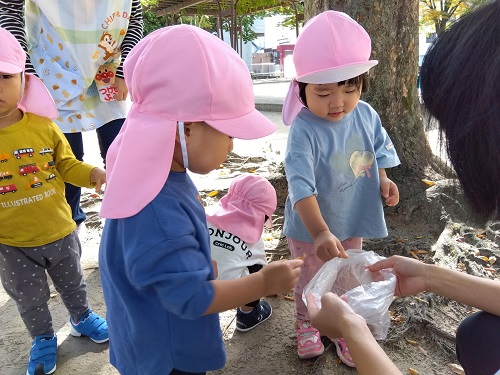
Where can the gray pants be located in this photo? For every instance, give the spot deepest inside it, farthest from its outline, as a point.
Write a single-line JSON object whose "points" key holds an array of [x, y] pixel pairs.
{"points": [[23, 271]]}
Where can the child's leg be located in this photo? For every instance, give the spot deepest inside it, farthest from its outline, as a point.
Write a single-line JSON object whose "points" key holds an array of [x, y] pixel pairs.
{"points": [[250, 306], [65, 270], [311, 265], [309, 343], [24, 279], [66, 273], [254, 313], [353, 243]]}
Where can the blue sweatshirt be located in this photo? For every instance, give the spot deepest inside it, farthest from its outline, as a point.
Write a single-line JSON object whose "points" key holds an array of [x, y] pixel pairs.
{"points": [[156, 270]]}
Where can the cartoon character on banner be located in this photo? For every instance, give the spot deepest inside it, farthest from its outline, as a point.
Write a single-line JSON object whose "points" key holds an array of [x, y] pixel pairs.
{"points": [[105, 82]]}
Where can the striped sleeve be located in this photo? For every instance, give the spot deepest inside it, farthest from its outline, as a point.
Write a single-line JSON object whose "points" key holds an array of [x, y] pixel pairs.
{"points": [[12, 19], [134, 33]]}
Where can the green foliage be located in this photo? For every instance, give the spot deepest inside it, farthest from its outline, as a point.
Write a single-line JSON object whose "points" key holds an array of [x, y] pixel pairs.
{"points": [[438, 13], [252, 10], [289, 13], [152, 21]]}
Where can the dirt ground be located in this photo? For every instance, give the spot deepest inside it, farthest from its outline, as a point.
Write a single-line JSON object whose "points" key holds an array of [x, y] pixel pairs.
{"points": [[431, 226]]}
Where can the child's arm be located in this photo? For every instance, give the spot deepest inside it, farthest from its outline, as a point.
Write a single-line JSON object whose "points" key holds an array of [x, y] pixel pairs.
{"points": [[326, 245], [388, 189], [97, 178], [277, 277]]}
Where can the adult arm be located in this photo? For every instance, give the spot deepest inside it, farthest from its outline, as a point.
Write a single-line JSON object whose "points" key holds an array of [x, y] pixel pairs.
{"points": [[337, 319], [134, 34], [414, 277], [12, 19]]}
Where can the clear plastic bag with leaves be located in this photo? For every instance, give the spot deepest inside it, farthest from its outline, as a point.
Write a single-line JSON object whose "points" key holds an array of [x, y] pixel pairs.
{"points": [[369, 294]]}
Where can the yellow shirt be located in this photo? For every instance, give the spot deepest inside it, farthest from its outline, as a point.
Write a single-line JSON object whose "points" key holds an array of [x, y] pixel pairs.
{"points": [[35, 161]]}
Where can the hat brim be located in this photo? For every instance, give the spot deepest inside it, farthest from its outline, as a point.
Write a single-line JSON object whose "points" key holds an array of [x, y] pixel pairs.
{"points": [[37, 99], [6, 67], [337, 74], [146, 144], [292, 104], [253, 125]]}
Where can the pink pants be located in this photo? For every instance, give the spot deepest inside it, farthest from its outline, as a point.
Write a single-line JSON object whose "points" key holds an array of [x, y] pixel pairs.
{"points": [[311, 265]]}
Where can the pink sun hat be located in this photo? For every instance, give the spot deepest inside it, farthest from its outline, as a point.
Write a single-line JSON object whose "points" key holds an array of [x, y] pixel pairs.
{"points": [[332, 47], [36, 98], [243, 209], [177, 73]]}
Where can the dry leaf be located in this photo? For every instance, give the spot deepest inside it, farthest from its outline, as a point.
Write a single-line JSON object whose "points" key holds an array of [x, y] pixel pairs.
{"points": [[428, 182], [213, 193], [412, 371], [422, 350], [457, 369], [413, 342]]}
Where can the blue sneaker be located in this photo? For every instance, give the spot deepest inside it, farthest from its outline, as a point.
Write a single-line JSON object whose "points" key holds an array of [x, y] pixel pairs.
{"points": [[91, 325], [260, 313], [43, 355]]}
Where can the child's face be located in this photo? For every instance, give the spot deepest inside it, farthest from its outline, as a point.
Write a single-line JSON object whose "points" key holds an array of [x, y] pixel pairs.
{"points": [[331, 101], [207, 147], [10, 92]]}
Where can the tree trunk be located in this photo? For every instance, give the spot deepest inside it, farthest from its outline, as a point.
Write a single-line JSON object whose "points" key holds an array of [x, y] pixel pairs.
{"points": [[393, 28]]}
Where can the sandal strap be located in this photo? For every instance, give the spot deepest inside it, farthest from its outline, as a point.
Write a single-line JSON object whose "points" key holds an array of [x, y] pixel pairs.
{"points": [[307, 330], [43, 348], [93, 323]]}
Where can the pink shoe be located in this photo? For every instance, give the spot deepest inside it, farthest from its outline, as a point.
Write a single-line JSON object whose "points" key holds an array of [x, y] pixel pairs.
{"points": [[309, 343], [343, 352]]}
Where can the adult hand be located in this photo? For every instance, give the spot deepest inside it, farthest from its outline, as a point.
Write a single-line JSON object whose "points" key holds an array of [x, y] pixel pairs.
{"points": [[121, 88], [98, 178], [411, 274], [327, 246], [335, 314]]}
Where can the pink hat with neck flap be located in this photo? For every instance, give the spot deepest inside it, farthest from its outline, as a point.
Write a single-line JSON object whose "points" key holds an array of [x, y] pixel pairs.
{"points": [[36, 98], [332, 47], [243, 209], [177, 73]]}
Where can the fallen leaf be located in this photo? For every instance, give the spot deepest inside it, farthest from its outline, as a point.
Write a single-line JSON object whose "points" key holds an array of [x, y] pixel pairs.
{"points": [[428, 182], [412, 371], [457, 369], [413, 254], [422, 350], [413, 342], [422, 251], [213, 193]]}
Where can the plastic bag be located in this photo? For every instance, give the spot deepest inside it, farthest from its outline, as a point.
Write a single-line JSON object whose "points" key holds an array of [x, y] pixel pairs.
{"points": [[368, 294]]}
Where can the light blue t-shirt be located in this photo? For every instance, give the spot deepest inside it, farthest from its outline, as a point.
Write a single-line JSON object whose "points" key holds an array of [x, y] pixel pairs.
{"points": [[338, 162]]}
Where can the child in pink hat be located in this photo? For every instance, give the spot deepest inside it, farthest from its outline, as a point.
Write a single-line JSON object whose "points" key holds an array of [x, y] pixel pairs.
{"points": [[37, 234], [235, 225], [191, 95], [336, 156]]}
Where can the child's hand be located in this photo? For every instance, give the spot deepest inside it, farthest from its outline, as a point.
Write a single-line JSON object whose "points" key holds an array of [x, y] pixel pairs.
{"points": [[327, 246], [280, 276], [389, 191], [98, 178]]}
